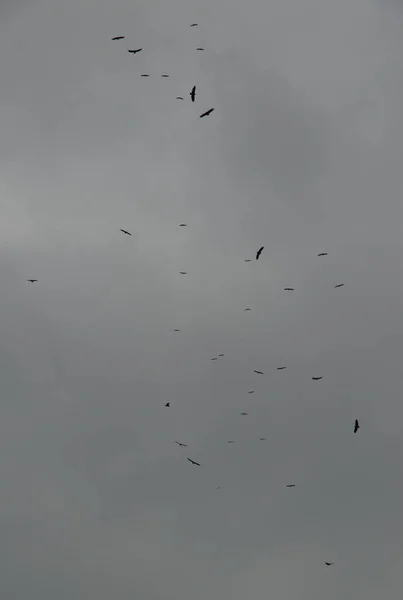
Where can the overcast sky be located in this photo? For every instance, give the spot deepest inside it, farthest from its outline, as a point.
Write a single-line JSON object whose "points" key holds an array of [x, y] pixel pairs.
{"points": [[302, 154]]}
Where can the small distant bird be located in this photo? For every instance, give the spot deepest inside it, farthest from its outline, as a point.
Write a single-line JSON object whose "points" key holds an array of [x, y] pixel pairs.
{"points": [[193, 462], [32, 280], [194, 24], [214, 358], [244, 414], [165, 75], [182, 225], [281, 368], [176, 329], [340, 285], [118, 37], [145, 75], [180, 444], [258, 372], [221, 355], [230, 441], [125, 232], [179, 97], [199, 48], [290, 485], [356, 426], [328, 564], [288, 289], [183, 273], [192, 94], [262, 439], [323, 254], [251, 392], [246, 309], [135, 51], [259, 252], [248, 260], [208, 112], [168, 404], [317, 378]]}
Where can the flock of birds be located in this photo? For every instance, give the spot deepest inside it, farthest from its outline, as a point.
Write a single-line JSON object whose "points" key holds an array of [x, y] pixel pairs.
{"points": [[192, 95]]}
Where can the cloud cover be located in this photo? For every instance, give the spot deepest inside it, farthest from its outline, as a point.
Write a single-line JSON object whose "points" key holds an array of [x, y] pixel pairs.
{"points": [[301, 155]]}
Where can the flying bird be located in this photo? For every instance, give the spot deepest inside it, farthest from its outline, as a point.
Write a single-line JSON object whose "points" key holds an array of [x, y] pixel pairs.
{"points": [[259, 252], [248, 260], [323, 254], [180, 444], [192, 94], [244, 414], [168, 404], [281, 368], [145, 75], [251, 392], [214, 358], [199, 48], [194, 24], [208, 112], [221, 355], [125, 232], [165, 76], [317, 378], [183, 273], [258, 372], [288, 289], [246, 309], [182, 225], [290, 485], [262, 439], [176, 329], [118, 37], [356, 426], [32, 280], [230, 441], [193, 462], [135, 51], [340, 285], [179, 97], [328, 564]]}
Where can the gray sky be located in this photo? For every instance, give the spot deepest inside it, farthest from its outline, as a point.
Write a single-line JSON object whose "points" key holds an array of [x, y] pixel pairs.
{"points": [[302, 155]]}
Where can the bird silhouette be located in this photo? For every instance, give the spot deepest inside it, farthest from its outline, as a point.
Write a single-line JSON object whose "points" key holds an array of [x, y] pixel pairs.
{"points": [[288, 289], [214, 358], [317, 378], [165, 75], [246, 309], [145, 75], [125, 232], [180, 444], [199, 48], [32, 280], [192, 93], [323, 254], [258, 372], [356, 426], [182, 225], [194, 24], [262, 439], [248, 260], [290, 485], [168, 404], [221, 355], [259, 252], [340, 285], [281, 368], [193, 462], [135, 51], [251, 392], [244, 414], [328, 564], [176, 329], [208, 112], [179, 97], [119, 37], [183, 272], [230, 441]]}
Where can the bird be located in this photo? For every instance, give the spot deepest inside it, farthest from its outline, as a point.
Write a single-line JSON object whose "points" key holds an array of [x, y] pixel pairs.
{"points": [[135, 51], [262, 439], [125, 232], [288, 289], [182, 225], [168, 404], [192, 94], [323, 254], [214, 358], [32, 280], [339, 285], [145, 75], [259, 252], [180, 444], [176, 329], [258, 372], [193, 462], [251, 392], [248, 260], [194, 24], [290, 485], [208, 112], [165, 75], [244, 414], [328, 564], [246, 309], [317, 378], [230, 441], [281, 368], [179, 97], [118, 37], [221, 355], [199, 48], [183, 273], [356, 426]]}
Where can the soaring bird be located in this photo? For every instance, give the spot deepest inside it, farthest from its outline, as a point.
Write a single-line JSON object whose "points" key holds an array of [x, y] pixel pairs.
{"points": [[145, 75], [244, 414], [288, 289], [356, 426], [125, 232], [251, 392], [208, 112], [176, 329], [180, 444], [259, 252], [281, 368], [340, 285], [290, 485], [246, 309], [32, 280], [258, 372], [164, 75], [262, 439], [199, 48], [179, 97], [182, 225], [118, 37], [248, 260], [221, 355], [328, 564], [323, 254], [192, 94], [168, 404], [230, 441], [317, 378], [214, 358], [193, 462], [183, 273], [194, 24], [135, 51]]}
